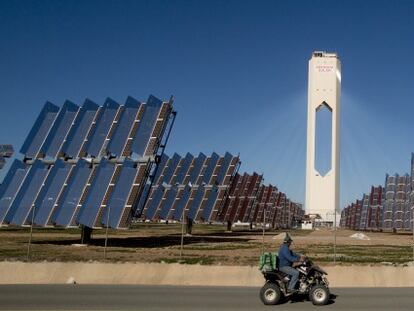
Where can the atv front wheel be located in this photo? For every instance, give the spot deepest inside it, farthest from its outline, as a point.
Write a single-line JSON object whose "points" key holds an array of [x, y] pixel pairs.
{"points": [[270, 294], [319, 295]]}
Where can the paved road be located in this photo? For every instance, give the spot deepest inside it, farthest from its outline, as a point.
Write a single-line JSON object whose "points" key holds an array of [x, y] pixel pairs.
{"points": [[154, 298]]}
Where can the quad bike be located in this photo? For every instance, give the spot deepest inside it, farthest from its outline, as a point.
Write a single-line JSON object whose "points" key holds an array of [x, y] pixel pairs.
{"points": [[312, 282]]}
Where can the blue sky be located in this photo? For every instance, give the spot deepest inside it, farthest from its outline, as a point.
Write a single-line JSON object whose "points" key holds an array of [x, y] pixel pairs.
{"points": [[238, 71]]}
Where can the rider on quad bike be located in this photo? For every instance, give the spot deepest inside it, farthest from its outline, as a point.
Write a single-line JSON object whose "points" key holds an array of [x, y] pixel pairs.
{"points": [[283, 271], [288, 260]]}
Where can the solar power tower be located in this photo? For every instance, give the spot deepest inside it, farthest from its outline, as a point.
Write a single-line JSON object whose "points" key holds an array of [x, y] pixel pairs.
{"points": [[322, 171], [86, 165], [6, 151], [189, 187]]}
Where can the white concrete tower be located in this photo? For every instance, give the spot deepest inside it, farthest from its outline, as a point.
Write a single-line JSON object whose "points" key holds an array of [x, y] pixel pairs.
{"points": [[324, 91]]}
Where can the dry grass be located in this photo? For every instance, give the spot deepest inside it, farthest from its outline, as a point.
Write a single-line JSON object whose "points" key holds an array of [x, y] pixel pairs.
{"points": [[208, 245]]}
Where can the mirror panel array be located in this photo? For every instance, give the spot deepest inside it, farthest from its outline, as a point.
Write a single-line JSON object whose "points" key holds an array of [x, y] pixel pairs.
{"points": [[189, 187], [388, 207], [250, 201], [85, 165]]}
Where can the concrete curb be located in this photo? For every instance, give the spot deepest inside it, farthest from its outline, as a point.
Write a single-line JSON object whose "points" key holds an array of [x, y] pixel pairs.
{"points": [[192, 275]]}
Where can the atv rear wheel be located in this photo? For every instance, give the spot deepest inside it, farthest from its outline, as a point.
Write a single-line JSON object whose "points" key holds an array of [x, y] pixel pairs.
{"points": [[270, 294], [319, 295]]}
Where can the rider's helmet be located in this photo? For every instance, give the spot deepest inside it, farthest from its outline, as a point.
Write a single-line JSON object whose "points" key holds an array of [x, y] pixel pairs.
{"points": [[287, 239]]}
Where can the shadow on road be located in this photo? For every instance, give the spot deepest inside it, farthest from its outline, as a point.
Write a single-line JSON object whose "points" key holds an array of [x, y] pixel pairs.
{"points": [[303, 298], [332, 298]]}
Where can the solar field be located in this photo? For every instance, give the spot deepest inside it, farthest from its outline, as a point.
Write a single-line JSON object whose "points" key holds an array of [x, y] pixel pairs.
{"points": [[104, 167]]}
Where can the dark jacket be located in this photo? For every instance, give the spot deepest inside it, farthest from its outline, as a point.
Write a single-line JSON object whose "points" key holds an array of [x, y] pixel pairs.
{"points": [[286, 256]]}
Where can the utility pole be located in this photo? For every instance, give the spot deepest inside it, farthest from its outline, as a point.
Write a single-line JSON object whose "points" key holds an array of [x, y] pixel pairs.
{"points": [[335, 237], [264, 224], [182, 235], [106, 231]]}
